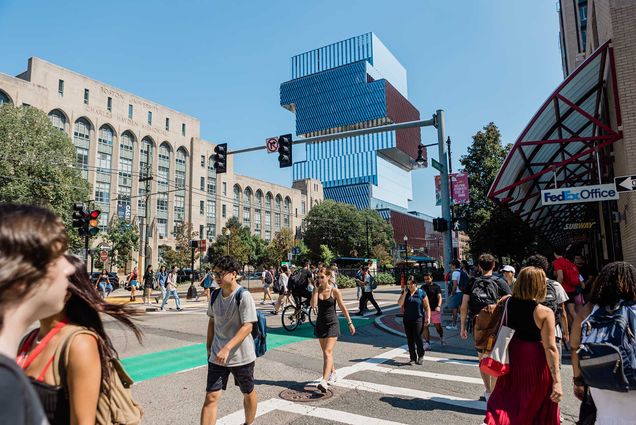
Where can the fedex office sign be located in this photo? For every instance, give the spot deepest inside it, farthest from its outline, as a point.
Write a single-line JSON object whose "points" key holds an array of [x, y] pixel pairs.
{"points": [[575, 195]]}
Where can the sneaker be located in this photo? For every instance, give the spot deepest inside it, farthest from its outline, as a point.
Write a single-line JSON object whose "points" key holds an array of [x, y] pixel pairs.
{"points": [[157, 300], [179, 309], [427, 346], [262, 302], [410, 362], [420, 360], [332, 378], [323, 386], [274, 313], [162, 309], [441, 341], [379, 313]]}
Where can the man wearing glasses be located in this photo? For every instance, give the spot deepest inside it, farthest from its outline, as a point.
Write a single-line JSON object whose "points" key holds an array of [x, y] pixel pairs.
{"points": [[230, 345]]}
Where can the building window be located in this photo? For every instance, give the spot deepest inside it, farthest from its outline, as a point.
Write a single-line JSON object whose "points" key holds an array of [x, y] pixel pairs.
{"points": [[235, 211], [277, 220], [179, 207], [201, 231], [211, 186], [257, 219], [130, 111], [202, 183], [268, 219], [211, 213], [302, 208], [149, 118], [123, 195], [224, 189], [102, 192], [183, 128], [103, 162], [246, 216], [201, 207], [162, 227], [180, 179], [223, 211], [105, 136], [167, 124], [81, 155], [202, 160], [58, 120], [109, 104], [60, 87], [86, 96], [162, 202], [103, 221]]}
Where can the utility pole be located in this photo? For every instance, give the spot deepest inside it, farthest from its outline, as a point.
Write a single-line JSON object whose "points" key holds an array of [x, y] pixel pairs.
{"points": [[367, 225], [452, 199], [147, 178], [446, 212]]}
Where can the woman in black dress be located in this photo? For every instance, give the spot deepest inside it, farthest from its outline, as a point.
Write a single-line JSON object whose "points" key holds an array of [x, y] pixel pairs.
{"points": [[324, 298]]}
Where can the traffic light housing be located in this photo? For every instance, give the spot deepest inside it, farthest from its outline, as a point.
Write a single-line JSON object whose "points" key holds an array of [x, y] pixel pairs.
{"points": [[79, 217], [440, 225], [220, 158], [93, 222], [285, 151]]}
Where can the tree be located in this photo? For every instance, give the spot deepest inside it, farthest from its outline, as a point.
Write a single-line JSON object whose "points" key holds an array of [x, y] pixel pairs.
{"points": [[282, 244], [492, 228], [181, 256], [123, 238], [37, 165], [234, 238], [343, 229], [326, 254], [382, 255]]}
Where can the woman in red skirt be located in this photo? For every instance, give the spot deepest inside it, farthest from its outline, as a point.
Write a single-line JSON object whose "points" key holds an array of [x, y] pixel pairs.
{"points": [[529, 394]]}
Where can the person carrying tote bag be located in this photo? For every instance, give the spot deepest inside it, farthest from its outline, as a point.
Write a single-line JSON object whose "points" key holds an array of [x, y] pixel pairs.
{"points": [[496, 363], [529, 390]]}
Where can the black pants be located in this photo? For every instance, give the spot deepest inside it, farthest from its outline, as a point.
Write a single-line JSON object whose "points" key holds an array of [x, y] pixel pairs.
{"points": [[364, 299], [413, 330]]}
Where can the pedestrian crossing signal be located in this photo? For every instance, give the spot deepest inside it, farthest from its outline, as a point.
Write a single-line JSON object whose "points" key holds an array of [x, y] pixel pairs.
{"points": [[285, 151], [440, 225], [220, 158]]}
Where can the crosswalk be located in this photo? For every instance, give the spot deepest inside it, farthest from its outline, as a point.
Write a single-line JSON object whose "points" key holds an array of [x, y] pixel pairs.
{"points": [[364, 380]]}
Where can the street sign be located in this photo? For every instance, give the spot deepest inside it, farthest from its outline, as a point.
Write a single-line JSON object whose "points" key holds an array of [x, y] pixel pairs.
{"points": [[625, 183], [202, 245], [103, 256], [272, 144], [295, 250], [437, 165]]}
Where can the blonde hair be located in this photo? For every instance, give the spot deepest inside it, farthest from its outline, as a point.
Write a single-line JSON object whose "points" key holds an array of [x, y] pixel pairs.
{"points": [[326, 271], [531, 284]]}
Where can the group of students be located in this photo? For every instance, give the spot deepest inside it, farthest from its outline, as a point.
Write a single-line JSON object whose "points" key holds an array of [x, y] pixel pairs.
{"points": [[536, 310]]}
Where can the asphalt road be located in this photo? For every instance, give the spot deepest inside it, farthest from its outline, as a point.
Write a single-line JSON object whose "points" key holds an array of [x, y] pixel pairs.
{"points": [[374, 387]]}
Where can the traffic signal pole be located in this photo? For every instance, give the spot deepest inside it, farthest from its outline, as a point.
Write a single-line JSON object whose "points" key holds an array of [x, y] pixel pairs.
{"points": [[445, 193]]}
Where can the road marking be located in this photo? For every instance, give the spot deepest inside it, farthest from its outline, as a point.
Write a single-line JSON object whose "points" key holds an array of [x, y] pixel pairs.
{"points": [[371, 362], [411, 393], [272, 404], [424, 374], [444, 360]]}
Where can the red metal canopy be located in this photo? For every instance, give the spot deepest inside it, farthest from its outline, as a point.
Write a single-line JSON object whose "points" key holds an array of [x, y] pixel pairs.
{"points": [[558, 147]]}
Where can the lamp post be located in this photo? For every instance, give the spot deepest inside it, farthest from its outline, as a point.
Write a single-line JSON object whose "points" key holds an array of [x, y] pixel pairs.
{"points": [[406, 250], [229, 235]]}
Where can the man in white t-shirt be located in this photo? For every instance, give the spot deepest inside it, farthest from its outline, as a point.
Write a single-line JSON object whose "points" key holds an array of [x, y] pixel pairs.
{"points": [[455, 294]]}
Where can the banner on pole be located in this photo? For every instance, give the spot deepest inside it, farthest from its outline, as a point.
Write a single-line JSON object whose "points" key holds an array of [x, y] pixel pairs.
{"points": [[459, 184]]}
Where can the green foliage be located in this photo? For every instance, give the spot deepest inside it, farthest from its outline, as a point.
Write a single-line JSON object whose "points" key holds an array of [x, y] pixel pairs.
{"points": [[380, 253], [492, 228], [343, 229], [181, 256], [345, 281], [237, 239], [384, 279], [326, 254], [282, 244], [37, 165], [123, 238]]}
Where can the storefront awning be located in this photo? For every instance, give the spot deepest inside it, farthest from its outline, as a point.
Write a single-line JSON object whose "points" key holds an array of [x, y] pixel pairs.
{"points": [[558, 147]]}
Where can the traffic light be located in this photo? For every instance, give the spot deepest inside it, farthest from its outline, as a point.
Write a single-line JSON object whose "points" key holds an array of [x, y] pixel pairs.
{"points": [[93, 223], [79, 217], [220, 158], [285, 150], [440, 225]]}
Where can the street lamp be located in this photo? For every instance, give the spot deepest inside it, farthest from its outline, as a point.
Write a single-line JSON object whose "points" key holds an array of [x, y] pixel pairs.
{"points": [[406, 250], [229, 234]]}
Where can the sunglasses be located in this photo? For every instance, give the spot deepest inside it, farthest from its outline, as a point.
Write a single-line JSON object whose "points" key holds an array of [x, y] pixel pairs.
{"points": [[219, 275]]}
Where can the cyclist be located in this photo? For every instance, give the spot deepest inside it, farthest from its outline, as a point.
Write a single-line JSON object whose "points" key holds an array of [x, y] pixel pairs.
{"points": [[301, 285]]}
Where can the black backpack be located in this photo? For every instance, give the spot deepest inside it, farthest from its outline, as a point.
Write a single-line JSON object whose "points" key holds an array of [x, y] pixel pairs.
{"points": [[550, 301], [463, 280], [484, 292], [268, 277], [298, 281]]}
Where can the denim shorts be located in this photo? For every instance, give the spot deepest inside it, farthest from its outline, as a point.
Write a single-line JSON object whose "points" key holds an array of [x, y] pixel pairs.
{"points": [[219, 375]]}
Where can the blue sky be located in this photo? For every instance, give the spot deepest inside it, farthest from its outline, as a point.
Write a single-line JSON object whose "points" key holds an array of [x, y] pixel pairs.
{"points": [[223, 62]]}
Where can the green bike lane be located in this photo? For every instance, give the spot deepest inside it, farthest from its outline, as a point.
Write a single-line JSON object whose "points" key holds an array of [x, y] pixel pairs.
{"points": [[167, 362]]}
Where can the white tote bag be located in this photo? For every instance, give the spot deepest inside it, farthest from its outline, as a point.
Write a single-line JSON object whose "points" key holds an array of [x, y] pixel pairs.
{"points": [[497, 362]]}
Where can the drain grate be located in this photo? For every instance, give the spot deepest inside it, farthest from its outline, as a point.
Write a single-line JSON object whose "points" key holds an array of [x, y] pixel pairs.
{"points": [[306, 393]]}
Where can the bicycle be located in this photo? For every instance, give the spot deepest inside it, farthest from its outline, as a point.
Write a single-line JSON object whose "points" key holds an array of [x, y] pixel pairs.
{"points": [[293, 316]]}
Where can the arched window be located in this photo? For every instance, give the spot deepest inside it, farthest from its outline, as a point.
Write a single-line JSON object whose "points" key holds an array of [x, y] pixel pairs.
{"points": [[126, 157], [106, 135], [247, 206], [163, 180], [268, 200], [258, 211], [82, 142], [4, 98], [127, 142], [277, 212], [287, 212], [259, 199], [180, 181], [58, 119], [237, 194]]}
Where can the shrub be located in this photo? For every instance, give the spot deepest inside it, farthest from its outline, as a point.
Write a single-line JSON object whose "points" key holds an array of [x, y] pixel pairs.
{"points": [[384, 279], [345, 282]]}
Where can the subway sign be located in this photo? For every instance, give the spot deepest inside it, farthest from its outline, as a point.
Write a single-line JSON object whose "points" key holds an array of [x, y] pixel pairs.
{"points": [[575, 195]]}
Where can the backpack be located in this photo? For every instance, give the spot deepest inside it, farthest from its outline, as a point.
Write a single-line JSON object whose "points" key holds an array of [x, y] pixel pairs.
{"points": [[259, 328], [571, 275], [297, 282], [463, 280], [550, 301], [277, 285], [374, 284], [607, 354], [115, 408], [484, 292], [268, 277]]}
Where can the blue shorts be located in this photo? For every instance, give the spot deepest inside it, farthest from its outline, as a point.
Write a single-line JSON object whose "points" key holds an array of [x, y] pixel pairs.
{"points": [[456, 300], [219, 375]]}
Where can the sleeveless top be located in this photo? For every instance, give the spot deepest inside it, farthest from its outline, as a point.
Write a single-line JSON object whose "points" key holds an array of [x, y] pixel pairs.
{"points": [[327, 310], [521, 319]]}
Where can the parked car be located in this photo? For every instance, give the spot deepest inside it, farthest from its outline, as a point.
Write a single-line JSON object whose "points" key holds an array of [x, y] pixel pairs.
{"points": [[184, 274], [112, 277]]}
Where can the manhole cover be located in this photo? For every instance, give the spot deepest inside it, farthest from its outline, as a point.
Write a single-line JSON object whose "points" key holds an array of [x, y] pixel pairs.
{"points": [[307, 393]]}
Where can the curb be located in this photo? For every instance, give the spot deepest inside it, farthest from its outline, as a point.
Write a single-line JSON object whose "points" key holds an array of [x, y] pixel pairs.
{"points": [[379, 324]]}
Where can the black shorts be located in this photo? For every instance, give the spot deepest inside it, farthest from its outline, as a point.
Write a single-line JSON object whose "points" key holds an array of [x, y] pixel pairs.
{"points": [[219, 375], [571, 296]]}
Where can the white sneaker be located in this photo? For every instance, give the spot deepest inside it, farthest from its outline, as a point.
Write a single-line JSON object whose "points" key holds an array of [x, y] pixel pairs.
{"points": [[323, 386], [262, 302], [332, 378], [450, 327], [427, 346]]}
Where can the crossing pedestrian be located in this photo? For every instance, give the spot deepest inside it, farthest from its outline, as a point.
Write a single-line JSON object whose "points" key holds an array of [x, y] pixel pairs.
{"points": [[33, 285], [162, 277], [613, 289], [417, 312], [131, 283], [530, 392], [149, 284], [171, 290], [104, 285], [324, 298], [567, 274], [367, 285], [434, 295], [283, 291], [508, 273], [207, 282], [267, 279], [68, 358], [455, 292], [229, 342], [481, 292]]}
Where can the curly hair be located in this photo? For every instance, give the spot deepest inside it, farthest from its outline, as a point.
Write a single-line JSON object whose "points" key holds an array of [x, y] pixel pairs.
{"points": [[616, 282], [227, 263], [539, 261], [31, 240]]}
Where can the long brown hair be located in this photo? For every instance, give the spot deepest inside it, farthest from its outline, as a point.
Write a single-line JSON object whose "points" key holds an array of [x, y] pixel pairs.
{"points": [[84, 307], [531, 284]]}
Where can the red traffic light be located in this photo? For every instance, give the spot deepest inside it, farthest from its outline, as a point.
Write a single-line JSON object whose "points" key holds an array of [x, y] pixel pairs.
{"points": [[94, 214]]}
